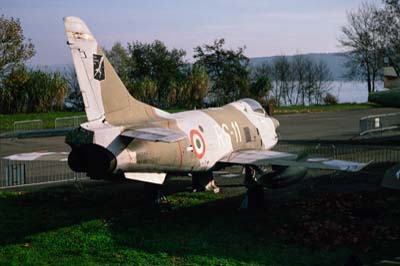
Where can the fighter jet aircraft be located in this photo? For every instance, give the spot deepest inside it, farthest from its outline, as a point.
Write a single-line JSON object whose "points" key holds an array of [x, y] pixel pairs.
{"points": [[133, 140]]}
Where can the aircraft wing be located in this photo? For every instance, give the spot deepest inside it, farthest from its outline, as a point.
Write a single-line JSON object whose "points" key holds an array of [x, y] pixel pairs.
{"points": [[155, 134], [39, 156], [266, 157]]}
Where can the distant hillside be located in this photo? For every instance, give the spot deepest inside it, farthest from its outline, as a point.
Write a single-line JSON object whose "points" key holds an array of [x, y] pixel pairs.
{"points": [[62, 68], [334, 61]]}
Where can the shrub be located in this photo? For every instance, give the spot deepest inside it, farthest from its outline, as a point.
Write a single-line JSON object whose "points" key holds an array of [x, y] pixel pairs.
{"points": [[330, 99]]}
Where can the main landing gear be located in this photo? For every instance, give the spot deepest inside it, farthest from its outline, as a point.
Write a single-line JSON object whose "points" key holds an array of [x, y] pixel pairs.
{"points": [[204, 181], [153, 194], [254, 198]]}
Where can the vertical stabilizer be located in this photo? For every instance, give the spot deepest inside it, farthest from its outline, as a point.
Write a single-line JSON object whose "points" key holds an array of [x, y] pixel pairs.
{"points": [[104, 94], [84, 51]]}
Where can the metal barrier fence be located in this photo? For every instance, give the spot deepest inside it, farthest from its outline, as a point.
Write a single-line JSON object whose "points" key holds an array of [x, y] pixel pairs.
{"points": [[23, 173], [378, 124], [28, 125], [72, 121], [343, 151]]}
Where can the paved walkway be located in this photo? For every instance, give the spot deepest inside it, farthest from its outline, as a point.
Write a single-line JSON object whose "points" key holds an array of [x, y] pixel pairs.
{"points": [[325, 125]]}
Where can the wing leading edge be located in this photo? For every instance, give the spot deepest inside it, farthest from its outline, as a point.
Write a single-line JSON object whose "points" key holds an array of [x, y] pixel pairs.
{"points": [[154, 134], [260, 157]]}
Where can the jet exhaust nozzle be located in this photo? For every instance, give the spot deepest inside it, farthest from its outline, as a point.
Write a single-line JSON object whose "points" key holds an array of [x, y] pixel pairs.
{"points": [[96, 161]]}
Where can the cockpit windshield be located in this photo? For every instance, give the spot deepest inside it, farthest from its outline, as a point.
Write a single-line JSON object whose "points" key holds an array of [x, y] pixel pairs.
{"points": [[255, 106]]}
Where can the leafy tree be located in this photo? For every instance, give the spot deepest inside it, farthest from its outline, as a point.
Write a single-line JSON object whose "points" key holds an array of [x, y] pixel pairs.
{"points": [[177, 95], [261, 82], [156, 62], [192, 90], [14, 52], [45, 91], [197, 86], [14, 49], [13, 94], [227, 70], [149, 71], [118, 56], [362, 40], [74, 95], [144, 89]]}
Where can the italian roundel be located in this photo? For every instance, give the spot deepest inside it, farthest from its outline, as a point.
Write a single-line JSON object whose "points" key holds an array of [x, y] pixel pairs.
{"points": [[198, 144]]}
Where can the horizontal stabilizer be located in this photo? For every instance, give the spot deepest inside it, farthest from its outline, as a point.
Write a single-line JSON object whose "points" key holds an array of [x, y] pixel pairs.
{"points": [[154, 134], [155, 178]]}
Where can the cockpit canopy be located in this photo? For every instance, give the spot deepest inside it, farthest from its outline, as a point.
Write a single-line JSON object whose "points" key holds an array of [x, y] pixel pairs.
{"points": [[255, 106]]}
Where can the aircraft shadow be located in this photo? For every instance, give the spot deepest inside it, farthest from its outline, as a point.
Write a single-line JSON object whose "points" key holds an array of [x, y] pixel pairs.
{"points": [[135, 225], [213, 229]]}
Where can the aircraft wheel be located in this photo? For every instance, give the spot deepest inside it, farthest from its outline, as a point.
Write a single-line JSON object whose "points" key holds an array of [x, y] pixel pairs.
{"points": [[254, 198], [204, 182], [153, 194]]}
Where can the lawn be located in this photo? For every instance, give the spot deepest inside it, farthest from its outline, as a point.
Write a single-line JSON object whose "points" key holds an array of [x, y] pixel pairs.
{"points": [[111, 225], [7, 121]]}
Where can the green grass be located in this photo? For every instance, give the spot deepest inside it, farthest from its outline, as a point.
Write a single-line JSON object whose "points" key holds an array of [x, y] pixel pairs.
{"points": [[7, 121], [109, 225]]}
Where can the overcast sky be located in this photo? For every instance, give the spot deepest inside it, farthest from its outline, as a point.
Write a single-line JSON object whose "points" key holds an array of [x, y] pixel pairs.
{"points": [[265, 27]]}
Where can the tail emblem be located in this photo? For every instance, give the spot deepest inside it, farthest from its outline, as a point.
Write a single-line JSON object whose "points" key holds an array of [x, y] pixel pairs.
{"points": [[98, 67]]}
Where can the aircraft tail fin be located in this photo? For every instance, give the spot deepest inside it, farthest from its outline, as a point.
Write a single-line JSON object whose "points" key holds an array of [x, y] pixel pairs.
{"points": [[104, 94]]}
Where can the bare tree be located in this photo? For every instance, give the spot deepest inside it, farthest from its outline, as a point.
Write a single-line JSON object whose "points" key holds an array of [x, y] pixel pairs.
{"points": [[281, 72], [323, 81], [388, 20], [299, 80], [361, 40], [302, 71]]}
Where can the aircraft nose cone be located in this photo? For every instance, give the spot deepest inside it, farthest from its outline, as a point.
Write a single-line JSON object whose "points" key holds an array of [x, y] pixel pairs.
{"points": [[275, 122]]}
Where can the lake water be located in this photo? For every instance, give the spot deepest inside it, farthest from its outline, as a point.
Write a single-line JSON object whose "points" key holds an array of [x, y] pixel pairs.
{"points": [[352, 91]]}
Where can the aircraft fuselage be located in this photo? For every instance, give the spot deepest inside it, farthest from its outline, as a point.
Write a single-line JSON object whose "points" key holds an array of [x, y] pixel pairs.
{"points": [[210, 135]]}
